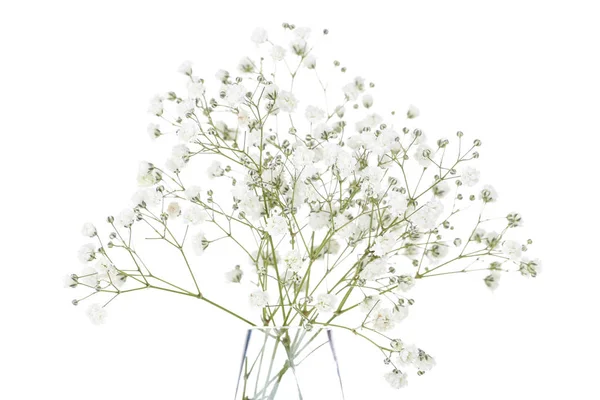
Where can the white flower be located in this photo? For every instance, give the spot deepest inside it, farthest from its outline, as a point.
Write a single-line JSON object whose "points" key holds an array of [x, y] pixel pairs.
{"points": [[278, 53], [512, 249], [326, 302], [405, 282], [492, 280], [153, 131], [246, 65], [514, 220], [374, 269], [185, 68], [188, 130], [193, 193], [437, 251], [488, 194], [407, 355], [396, 379], [367, 101], [302, 32], [222, 75], [235, 275], [195, 89], [314, 114], [185, 108], [173, 210], [441, 189], [215, 170], [86, 252], [318, 220], [413, 112], [89, 230], [399, 313], [384, 244], [235, 95], [148, 197], [199, 243], [370, 303], [97, 314], [259, 35], [383, 319], [156, 105], [423, 155], [426, 217], [126, 218], [259, 299], [286, 101], [243, 118], [303, 156], [298, 46], [69, 282], [147, 175], [424, 362], [530, 267], [469, 176], [276, 225], [310, 61], [293, 260], [193, 215], [397, 203]]}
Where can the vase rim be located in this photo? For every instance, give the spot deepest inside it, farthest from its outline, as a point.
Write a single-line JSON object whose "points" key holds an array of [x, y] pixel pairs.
{"points": [[264, 328]]}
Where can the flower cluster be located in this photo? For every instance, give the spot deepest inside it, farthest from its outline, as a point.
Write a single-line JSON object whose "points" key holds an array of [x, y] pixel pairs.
{"points": [[340, 210]]}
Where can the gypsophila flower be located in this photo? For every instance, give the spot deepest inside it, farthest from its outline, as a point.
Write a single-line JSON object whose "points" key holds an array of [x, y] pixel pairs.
{"points": [[314, 114], [383, 320], [424, 362], [215, 170], [189, 129], [293, 260], [173, 210], [156, 105], [423, 155], [469, 176], [235, 95], [193, 193], [278, 53], [370, 303], [374, 269], [276, 225], [147, 174], [199, 243], [70, 281], [126, 218], [530, 267], [326, 302], [193, 215], [492, 280], [396, 379], [259, 299], [488, 194], [405, 282], [97, 314], [89, 230], [367, 101], [153, 131], [407, 355], [512, 249], [195, 89], [514, 220], [235, 275], [310, 61], [185, 68], [413, 112], [86, 252], [286, 101], [222, 76], [259, 36]]}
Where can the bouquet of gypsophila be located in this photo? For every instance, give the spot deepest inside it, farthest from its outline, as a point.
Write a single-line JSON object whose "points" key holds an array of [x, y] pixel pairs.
{"points": [[337, 210]]}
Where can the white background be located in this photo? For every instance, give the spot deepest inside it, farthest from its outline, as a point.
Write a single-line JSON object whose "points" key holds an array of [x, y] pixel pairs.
{"points": [[75, 80]]}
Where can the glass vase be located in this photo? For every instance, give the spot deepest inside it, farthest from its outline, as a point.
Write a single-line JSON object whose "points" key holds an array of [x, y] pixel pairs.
{"points": [[289, 363]]}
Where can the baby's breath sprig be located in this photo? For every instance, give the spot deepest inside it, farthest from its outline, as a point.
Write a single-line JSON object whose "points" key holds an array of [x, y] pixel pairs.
{"points": [[337, 210]]}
